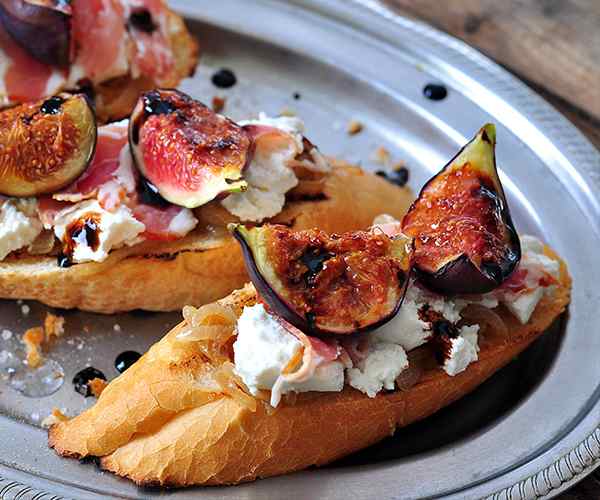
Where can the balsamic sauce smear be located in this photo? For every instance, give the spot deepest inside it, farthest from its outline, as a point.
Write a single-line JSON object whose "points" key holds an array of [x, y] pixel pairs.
{"points": [[52, 106], [398, 177], [224, 78], [435, 91], [154, 104], [149, 195], [141, 20], [84, 230], [126, 359], [83, 377]]}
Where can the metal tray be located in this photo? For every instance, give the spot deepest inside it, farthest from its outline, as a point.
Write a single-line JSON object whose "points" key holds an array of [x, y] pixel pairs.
{"points": [[530, 431]]}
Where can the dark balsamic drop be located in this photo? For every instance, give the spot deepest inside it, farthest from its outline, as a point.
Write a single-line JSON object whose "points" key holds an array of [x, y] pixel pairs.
{"points": [[224, 79], [435, 91], [52, 106], [154, 104], [141, 20], [83, 378], [297, 96], [126, 359], [63, 260], [149, 194], [398, 177]]}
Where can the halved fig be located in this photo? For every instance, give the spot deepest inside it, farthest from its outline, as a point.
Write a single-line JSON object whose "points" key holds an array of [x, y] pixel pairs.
{"points": [[41, 27], [45, 145], [464, 238], [191, 154], [322, 284]]}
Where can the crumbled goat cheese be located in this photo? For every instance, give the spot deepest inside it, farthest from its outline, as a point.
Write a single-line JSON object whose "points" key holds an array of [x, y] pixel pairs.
{"points": [[406, 328], [463, 350], [262, 349], [269, 178], [17, 228], [116, 229], [379, 369]]}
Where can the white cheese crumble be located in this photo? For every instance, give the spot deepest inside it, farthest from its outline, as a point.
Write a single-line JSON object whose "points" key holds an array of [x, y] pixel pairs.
{"points": [[379, 370], [262, 349], [17, 229], [116, 229], [269, 178], [406, 328], [182, 223], [463, 350]]}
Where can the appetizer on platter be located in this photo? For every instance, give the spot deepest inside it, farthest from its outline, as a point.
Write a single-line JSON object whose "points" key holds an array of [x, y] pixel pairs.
{"points": [[341, 339], [142, 204]]}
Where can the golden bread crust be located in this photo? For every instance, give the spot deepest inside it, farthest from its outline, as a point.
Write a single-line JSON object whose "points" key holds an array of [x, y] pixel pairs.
{"points": [[150, 426], [200, 268]]}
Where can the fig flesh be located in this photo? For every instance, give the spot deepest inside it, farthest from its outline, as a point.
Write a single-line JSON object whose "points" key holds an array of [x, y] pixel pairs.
{"points": [[191, 154], [41, 27], [45, 145], [463, 236], [321, 284]]}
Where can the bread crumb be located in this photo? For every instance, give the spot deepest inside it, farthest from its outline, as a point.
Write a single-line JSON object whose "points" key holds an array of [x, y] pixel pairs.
{"points": [[25, 310], [382, 156], [117, 327], [218, 103], [55, 417], [287, 112], [54, 326], [97, 385], [33, 339], [354, 127], [6, 334]]}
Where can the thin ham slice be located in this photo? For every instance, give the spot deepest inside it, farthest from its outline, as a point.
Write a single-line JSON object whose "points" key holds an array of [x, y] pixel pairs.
{"points": [[158, 221], [25, 78], [153, 55], [316, 352], [103, 169], [99, 39]]}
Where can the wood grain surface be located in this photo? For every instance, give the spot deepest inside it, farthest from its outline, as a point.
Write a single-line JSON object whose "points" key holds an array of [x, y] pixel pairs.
{"points": [[552, 45]]}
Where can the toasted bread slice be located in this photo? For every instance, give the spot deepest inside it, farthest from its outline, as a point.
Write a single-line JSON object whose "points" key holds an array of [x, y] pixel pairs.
{"points": [[202, 267], [155, 426], [116, 98]]}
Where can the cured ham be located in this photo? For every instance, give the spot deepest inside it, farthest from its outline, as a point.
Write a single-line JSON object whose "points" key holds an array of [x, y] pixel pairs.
{"points": [[25, 78]]}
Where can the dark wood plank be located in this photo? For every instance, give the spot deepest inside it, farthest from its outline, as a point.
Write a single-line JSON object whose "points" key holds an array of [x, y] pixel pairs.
{"points": [[553, 43]]}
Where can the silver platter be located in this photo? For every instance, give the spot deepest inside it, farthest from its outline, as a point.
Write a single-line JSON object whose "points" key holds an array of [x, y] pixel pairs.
{"points": [[529, 432]]}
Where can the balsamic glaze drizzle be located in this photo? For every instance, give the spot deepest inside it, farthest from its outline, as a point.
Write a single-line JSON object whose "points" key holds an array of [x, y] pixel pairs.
{"points": [[224, 78], [83, 377], [126, 359], [435, 91]]}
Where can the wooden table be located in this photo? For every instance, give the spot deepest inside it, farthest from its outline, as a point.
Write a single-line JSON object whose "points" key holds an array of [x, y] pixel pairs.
{"points": [[552, 45]]}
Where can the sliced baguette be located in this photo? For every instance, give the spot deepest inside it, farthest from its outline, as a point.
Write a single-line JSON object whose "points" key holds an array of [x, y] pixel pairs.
{"points": [[200, 268], [155, 427]]}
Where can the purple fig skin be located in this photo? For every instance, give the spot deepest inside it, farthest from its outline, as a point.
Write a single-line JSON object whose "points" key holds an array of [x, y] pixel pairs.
{"points": [[281, 308], [462, 276], [458, 277], [42, 30]]}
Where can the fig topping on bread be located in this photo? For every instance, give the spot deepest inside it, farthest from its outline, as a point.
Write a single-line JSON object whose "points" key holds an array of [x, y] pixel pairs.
{"points": [[321, 284], [46, 145], [191, 154], [464, 237]]}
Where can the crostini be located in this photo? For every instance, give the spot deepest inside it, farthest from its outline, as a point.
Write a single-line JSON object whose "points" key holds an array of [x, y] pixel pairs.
{"points": [[340, 340], [142, 205], [111, 49]]}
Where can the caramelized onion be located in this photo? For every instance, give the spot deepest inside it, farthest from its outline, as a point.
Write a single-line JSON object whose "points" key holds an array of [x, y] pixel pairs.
{"points": [[490, 323], [210, 322], [231, 385]]}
